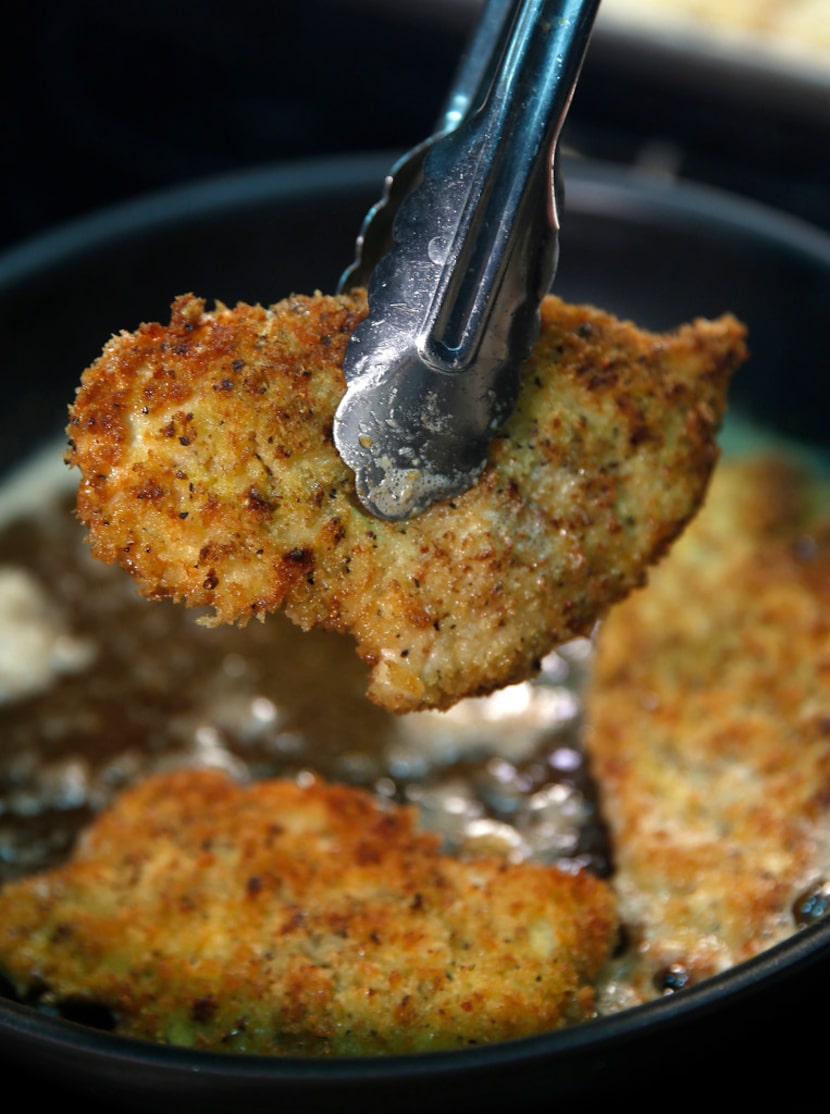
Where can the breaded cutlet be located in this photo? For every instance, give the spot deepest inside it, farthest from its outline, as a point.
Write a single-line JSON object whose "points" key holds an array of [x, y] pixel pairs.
{"points": [[209, 473], [708, 729], [303, 919]]}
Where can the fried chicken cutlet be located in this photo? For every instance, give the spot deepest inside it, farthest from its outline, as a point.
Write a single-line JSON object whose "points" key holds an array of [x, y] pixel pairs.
{"points": [[708, 729], [288, 918], [210, 473]]}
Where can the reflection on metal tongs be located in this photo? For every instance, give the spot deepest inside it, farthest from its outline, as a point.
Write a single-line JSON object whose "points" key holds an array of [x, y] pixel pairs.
{"points": [[457, 257]]}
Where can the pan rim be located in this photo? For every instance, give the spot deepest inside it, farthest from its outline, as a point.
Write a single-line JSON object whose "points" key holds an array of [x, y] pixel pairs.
{"points": [[597, 182]]}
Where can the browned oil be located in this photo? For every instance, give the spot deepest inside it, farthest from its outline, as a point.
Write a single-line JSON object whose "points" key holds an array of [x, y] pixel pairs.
{"points": [[153, 689]]}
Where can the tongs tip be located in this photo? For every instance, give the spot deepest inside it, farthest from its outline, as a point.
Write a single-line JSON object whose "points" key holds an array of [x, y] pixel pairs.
{"points": [[433, 370]]}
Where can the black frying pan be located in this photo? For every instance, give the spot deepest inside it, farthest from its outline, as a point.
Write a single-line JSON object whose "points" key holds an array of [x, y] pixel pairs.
{"points": [[659, 254]]}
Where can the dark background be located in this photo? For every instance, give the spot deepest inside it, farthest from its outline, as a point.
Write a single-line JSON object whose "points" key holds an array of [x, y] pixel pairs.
{"points": [[105, 101]]}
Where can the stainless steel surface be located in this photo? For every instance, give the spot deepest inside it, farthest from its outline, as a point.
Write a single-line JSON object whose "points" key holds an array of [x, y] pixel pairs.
{"points": [[432, 372], [375, 238]]}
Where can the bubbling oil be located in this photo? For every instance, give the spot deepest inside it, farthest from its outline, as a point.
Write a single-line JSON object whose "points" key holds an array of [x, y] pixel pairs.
{"points": [[99, 687]]}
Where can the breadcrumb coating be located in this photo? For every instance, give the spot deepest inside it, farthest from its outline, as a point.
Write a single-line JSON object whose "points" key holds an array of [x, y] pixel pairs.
{"points": [[209, 472], [708, 728], [286, 918]]}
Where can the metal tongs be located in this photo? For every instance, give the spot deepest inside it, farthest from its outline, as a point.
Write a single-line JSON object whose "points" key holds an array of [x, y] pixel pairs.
{"points": [[457, 256]]}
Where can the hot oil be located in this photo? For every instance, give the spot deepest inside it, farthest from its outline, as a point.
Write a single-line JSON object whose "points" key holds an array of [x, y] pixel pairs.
{"points": [[104, 687]]}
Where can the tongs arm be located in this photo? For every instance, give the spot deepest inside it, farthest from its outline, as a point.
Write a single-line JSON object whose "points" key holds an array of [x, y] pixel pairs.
{"points": [[432, 371], [468, 88]]}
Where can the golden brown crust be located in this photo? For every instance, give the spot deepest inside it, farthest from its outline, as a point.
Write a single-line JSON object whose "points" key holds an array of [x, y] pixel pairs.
{"points": [[709, 728], [279, 918], [209, 472]]}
